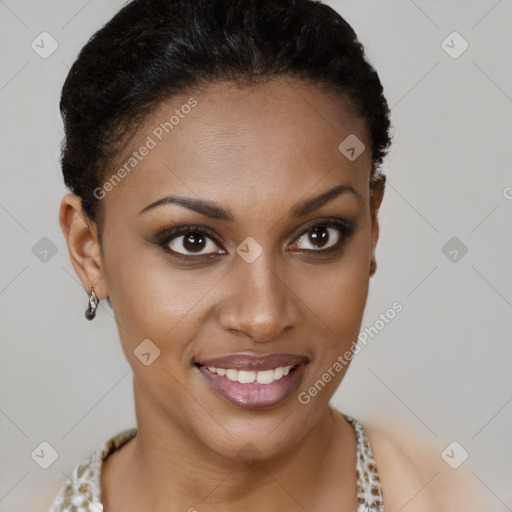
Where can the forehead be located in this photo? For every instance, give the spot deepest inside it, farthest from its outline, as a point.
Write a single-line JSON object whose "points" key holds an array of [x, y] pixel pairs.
{"points": [[279, 135]]}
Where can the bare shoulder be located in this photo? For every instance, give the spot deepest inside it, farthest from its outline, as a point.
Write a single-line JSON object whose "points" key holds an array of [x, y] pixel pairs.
{"points": [[403, 487], [413, 475]]}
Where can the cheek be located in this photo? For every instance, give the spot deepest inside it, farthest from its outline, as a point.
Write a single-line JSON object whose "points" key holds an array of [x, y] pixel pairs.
{"points": [[338, 293], [159, 312], [338, 311], [154, 300], [342, 307], [348, 294]]}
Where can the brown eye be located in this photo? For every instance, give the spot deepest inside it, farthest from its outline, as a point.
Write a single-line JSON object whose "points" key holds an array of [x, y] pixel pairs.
{"points": [[320, 237], [323, 238], [192, 243]]}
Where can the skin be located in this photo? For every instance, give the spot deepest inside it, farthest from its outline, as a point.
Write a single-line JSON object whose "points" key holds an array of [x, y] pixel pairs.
{"points": [[257, 150]]}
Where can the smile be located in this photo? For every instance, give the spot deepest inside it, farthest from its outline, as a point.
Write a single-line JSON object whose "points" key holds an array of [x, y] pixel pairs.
{"points": [[248, 377], [254, 382]]}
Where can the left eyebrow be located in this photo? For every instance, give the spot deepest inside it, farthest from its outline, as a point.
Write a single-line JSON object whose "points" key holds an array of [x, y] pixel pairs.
{"points": [[313, 203]]}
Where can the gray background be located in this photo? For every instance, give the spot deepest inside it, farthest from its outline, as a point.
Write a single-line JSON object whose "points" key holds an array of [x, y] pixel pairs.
{"points": [[443, 364]]}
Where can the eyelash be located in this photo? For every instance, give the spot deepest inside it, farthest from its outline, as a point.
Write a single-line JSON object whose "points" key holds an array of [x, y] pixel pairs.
{"points": [[344, 227]]}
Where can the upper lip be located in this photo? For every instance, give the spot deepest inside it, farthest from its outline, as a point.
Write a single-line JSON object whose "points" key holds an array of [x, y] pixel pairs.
{"points": [[255, 362]]}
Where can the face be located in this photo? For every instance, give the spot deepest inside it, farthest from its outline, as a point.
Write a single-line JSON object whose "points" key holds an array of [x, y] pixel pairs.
{"points": [[258, 259]]}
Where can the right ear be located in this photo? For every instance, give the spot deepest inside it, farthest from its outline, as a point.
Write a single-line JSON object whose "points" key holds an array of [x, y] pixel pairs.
{"points": [[83, 247]]}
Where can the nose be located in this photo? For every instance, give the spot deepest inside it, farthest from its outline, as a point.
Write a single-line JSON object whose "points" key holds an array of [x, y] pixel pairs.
{"points": [[261, 304]]}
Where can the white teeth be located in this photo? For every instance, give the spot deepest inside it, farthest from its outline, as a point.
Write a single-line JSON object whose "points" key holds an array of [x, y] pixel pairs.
{"points": [[248, 376], [265, 377], [232, 374], [278, 373]]}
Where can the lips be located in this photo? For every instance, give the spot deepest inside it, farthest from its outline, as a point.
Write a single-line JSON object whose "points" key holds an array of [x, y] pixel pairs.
{"points": [[255, 363], [254, 394]]}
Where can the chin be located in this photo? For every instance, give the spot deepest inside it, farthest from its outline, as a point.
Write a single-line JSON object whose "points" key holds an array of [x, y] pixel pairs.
{"points": [[254, 436]]}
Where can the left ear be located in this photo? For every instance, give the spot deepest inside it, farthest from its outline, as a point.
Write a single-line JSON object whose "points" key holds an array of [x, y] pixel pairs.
{"points": [[376, 196]]}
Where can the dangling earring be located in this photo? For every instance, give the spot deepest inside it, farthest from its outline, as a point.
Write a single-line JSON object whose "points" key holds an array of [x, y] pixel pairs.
{"points": [[90, 312]]}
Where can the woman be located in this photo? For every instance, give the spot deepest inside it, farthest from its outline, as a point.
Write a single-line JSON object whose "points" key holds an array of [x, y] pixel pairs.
{"points": [[223, 158]]}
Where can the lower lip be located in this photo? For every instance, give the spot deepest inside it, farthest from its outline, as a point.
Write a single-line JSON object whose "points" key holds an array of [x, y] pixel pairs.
{"points": [[254, 395]]}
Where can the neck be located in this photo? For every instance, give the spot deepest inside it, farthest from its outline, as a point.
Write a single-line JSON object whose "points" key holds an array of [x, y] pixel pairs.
{"points": [[166, 465]]}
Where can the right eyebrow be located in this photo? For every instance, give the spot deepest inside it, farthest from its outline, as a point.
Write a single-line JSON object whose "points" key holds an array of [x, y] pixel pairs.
{"points": [[207, 208]]}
